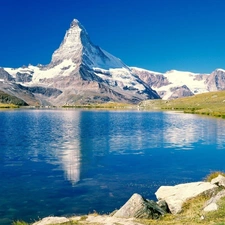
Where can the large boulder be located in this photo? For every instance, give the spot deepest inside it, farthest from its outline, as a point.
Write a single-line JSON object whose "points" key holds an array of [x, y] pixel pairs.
{"points": [[176, 195], [138, 207]]}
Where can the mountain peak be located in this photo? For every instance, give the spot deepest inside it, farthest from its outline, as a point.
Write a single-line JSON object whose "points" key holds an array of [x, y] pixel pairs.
{"points": [[77, 25], [77, 46], [71, 46], [74, 23]]}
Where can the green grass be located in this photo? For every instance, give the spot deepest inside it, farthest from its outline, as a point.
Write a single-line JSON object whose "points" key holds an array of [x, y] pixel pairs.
{"points": [[19, 223], [192, 214], [7, 106], [214, 175], [107, 105], [212, 104]]}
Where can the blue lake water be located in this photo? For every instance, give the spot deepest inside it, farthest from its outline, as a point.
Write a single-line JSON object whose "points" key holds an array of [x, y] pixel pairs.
{"points": [[69, 162]]}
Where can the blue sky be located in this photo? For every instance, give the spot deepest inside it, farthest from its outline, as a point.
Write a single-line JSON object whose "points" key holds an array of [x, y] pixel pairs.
{"points": [[158, 35]]}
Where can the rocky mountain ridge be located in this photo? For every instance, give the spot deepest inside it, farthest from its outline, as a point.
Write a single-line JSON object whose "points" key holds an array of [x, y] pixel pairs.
{"points": [[83, 73]]}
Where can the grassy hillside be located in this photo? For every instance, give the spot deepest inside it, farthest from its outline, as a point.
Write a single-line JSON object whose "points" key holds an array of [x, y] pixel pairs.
{"points": [[212, 103], [9, 101]]}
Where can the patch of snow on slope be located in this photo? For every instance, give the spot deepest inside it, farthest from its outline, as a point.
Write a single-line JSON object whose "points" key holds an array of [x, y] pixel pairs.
{"points": [[222, 70], [180, 78], [121, 77], [144, 70], [14, 71], [63, 69]]}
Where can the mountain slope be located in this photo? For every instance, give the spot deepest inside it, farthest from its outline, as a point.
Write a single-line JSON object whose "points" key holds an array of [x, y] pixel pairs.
{"points": [[9, 99]]}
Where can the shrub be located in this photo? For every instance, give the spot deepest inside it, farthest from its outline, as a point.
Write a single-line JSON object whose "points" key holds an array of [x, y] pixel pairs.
{"points": [[19, 223]]}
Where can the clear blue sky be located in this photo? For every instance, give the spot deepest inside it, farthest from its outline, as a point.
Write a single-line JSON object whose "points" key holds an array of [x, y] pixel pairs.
{"points": [[158, 35]]}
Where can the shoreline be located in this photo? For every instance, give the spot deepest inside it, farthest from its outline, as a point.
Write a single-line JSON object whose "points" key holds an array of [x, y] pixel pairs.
{"points": [[196, 202]]}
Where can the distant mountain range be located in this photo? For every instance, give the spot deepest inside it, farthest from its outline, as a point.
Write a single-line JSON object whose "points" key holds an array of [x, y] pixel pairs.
{"points": [[175, 84], [83, 73]]}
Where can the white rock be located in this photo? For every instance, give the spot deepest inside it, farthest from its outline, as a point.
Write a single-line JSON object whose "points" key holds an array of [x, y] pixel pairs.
{"points": [[107, 220], [220, 180], [176, 195], [52, 220], [211, 207]]}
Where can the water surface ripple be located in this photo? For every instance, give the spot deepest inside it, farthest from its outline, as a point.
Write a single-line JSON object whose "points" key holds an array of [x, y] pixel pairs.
{"points": [[66, 162]]}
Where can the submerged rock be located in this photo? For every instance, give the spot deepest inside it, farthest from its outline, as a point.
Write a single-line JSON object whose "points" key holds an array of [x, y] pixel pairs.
{"points": [[138, 207]]}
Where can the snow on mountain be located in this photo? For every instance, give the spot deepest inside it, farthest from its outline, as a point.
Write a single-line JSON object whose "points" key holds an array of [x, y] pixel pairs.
{"points": [[39, 73], [180, 78], [220, 70]]}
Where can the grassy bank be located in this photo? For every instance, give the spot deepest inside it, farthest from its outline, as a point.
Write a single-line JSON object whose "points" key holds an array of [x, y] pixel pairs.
{"points": [[107, 105], [7, 106], [212, 104], [192, 214]]}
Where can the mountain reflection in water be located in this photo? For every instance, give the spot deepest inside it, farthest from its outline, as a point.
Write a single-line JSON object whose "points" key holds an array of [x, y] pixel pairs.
{"points": [[59, 162]]}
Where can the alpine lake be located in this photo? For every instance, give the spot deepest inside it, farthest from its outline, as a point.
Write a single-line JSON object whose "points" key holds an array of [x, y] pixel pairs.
{"points": [[64, 162]]}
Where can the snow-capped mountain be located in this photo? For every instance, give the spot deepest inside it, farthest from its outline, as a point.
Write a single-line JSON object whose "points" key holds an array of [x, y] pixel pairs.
{"points": [[81, 72], [176, 84]]}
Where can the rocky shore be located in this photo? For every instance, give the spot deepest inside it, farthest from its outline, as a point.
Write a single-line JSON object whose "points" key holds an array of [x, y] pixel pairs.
{"points": [[170, 201]]}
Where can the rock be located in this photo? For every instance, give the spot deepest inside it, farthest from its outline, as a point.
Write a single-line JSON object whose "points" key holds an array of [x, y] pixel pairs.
{"points": [[176, 195], [181, 91], [52, 220], [5, 75], [108, 220], [23, 77], [163, 205], [220, 180], [138, 207], [211, 207], [211, 204]]}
